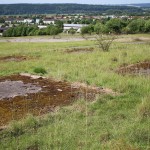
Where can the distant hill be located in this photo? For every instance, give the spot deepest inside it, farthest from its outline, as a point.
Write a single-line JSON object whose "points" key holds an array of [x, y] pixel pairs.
{"points": [[20, 9], [141, 5]]}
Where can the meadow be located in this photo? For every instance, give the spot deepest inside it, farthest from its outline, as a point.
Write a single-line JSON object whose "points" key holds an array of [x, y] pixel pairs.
{"points": [[120, 122]]}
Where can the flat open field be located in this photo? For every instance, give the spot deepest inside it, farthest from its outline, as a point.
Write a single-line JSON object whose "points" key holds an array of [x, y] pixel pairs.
{"points": [[85, 99]]}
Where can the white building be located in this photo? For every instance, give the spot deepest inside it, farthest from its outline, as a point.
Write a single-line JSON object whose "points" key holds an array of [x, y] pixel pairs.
{"points": [[48, 21], [9, 20], [20, 20], [74, 26], [28, 20], [37, 21]]}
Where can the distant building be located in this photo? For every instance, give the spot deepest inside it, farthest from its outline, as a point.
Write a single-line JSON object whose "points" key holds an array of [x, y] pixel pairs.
{"points": [[74, 26], [9, 20], [20, 20], [28, 20], [37, 21], [48, 21]]}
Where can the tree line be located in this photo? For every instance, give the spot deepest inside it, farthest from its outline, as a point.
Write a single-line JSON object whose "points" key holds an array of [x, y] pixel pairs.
{"points": [[118, 26], [33, 30]]}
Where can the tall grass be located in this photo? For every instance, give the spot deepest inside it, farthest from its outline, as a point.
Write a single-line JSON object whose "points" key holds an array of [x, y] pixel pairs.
{"points": [[109, 122]]}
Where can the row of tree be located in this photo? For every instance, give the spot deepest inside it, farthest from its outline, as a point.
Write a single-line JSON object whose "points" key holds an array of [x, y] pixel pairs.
{"points": [[118, 26], [31, 30]]}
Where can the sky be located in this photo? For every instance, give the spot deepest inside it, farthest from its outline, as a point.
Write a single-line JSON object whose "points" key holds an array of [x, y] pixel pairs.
{"points": [[76, 1]]}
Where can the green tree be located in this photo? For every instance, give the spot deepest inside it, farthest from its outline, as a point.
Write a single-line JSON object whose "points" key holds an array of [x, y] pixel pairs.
{"points": [[60, 25], [137, 26], [2, 20], [147, 26], [115, 25], [8, 32], [99, 28], [87, 29]]}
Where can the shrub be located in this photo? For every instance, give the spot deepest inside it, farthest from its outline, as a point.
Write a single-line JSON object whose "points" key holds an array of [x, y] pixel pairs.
{"points": [[104, 41], [40, 70]]}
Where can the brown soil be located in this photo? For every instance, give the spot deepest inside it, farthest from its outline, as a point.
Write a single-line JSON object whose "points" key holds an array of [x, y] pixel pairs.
{"points": [[13, 58], [80, 50], [141, 68], [42, 96]]}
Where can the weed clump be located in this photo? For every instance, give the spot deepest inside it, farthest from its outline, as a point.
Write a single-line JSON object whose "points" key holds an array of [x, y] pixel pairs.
{"points": [[31, 122], [40, 70], [16, 129]]}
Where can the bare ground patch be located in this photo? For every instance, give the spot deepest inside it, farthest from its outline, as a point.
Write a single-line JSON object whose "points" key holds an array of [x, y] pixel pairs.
{"points": [[80, 50], [25, 93], [14, 58], [140, 68]]}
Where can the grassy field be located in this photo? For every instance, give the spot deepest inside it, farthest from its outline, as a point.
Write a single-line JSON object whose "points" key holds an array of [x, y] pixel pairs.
{"points": [[109, 123]]}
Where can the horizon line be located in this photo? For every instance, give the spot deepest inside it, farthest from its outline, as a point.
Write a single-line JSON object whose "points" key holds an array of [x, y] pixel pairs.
{"points": [[74, 3]]}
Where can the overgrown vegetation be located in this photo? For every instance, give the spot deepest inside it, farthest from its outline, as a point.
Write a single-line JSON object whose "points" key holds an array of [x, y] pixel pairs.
{"points": [[109, 122]]}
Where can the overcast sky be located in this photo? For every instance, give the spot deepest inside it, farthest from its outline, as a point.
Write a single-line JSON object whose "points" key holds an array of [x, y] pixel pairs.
{"points": [[76, 1]]}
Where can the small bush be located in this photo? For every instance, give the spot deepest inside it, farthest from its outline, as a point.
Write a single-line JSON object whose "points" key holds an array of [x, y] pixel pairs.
{"points": [[40, 70], [104, 41]]}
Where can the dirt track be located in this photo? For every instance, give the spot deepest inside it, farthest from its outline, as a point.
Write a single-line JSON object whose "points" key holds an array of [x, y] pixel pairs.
{"points": [[40, 39]]}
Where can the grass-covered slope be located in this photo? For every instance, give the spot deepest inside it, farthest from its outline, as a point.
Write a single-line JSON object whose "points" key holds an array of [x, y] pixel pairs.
{"points": [[110, 122]]}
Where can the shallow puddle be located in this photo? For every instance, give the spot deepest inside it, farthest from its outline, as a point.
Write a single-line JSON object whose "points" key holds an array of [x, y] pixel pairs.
{"points": [[11, 89]]}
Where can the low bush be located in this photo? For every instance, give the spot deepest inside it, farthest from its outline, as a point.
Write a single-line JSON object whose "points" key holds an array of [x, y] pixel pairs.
{"points": [[40, 70]]}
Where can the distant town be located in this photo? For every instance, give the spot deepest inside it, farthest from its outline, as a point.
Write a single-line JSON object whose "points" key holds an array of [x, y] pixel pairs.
{"points": [[69, 21]]}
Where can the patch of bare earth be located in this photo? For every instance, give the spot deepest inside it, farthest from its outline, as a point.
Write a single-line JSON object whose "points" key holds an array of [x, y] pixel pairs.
{"points": [[13, 58], [23, 94], [141, 68], [80, 50]]}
